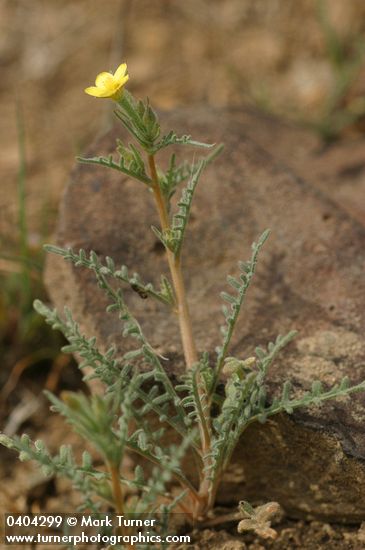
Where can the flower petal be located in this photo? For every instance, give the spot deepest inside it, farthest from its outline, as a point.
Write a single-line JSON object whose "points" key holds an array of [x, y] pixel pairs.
{"points": [[120, 72], [104, 79], [96, 92], [123, 81]]}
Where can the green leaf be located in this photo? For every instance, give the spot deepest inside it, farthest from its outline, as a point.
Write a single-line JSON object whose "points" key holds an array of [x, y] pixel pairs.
{"points": [[129, 164], [172, 139], [180, 220], [140, 120], [240, 286]]}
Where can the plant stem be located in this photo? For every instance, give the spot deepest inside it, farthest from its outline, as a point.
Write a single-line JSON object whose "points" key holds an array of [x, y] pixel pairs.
{"points": [[188, 342], [117, 493], [183, 312], [185, 483]]}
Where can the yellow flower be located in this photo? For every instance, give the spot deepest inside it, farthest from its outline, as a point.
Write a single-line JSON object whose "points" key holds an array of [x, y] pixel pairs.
{"points": [[108, 84]]}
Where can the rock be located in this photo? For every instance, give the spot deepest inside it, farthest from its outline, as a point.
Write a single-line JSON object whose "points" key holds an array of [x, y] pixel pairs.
{"points": [[310, 277], [337, 170]]}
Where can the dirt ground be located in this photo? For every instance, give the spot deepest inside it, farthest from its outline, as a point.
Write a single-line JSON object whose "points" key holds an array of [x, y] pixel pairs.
{"points": [[284, 56]]}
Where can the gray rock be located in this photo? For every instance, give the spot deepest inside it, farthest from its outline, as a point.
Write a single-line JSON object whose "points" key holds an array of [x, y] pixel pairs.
{"points": [[310, 277]]}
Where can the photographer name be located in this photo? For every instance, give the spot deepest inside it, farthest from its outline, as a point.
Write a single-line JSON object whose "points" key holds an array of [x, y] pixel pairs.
{"points": [[121, 521]]}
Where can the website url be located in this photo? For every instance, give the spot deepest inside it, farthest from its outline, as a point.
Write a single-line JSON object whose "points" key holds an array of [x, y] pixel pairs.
{"points": [[83, 538]]}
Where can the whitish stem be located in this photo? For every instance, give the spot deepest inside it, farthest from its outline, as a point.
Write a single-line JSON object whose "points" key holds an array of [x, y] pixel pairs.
{"points": [[186, 331], [182, 307]]}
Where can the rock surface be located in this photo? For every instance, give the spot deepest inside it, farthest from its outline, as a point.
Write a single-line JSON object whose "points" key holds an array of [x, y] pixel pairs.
{"points": [[311, 277]]}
